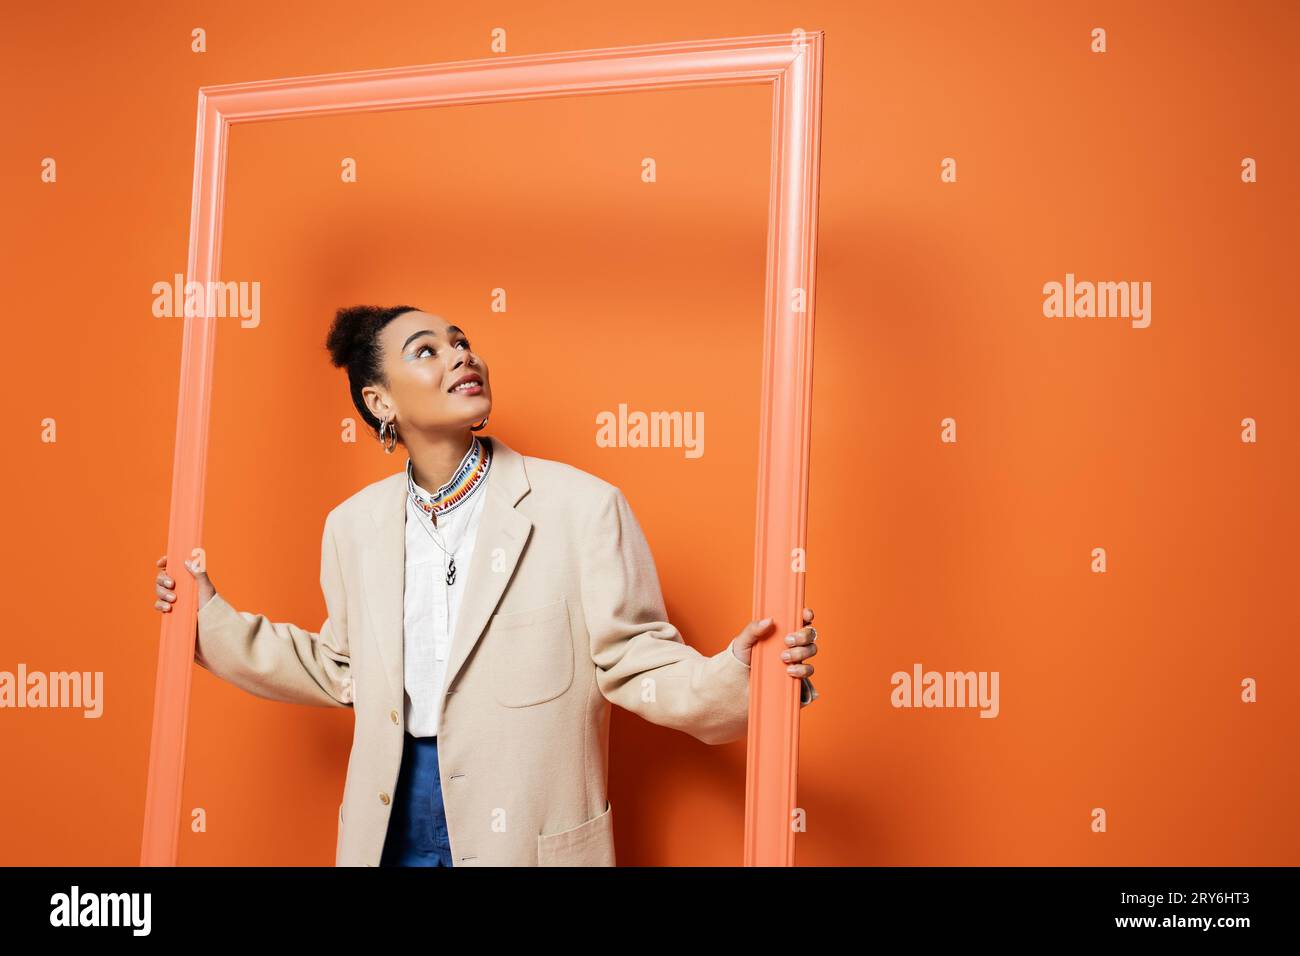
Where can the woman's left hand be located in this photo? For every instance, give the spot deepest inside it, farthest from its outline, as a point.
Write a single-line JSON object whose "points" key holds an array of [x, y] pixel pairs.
{"points": [[800, 645]]}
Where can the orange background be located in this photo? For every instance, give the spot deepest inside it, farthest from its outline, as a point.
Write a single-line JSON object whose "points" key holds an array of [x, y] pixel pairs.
{"points": [[1118, 690]]}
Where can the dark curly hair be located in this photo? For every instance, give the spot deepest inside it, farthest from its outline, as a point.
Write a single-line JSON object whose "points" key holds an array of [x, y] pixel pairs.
{"points": [[353, 343]]}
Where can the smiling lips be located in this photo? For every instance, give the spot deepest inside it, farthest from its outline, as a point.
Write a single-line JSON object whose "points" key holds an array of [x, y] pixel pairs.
{"points": [[470, 384]]}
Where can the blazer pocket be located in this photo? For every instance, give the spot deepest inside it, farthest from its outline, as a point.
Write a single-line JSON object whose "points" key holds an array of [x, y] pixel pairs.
{"points": [[587, 844], [530, 654]]}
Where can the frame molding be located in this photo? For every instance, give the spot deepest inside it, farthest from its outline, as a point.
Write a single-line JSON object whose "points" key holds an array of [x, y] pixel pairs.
{"points": [[791, 64]]}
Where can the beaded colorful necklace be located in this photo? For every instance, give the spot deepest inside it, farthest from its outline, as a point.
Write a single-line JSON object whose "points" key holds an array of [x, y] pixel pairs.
{"points": [[468, 478]]}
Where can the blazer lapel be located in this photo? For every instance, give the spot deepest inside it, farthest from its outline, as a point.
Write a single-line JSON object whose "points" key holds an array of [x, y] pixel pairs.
{"points": [[502, 533]]}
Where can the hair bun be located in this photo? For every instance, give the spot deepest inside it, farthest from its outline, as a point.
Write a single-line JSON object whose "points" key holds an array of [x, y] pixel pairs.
{"points": [[353, 328]]}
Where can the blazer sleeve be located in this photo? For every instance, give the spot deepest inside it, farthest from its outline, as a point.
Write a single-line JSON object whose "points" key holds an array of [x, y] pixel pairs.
{"points": [[281, 661], [642, 663]]}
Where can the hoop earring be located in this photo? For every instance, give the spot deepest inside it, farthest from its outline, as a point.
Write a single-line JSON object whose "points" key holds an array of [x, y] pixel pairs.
{"points": [[385, 429], [480, 426]]}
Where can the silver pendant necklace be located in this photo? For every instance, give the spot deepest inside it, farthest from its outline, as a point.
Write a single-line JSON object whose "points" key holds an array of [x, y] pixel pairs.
{"points": [[470, 462], [449, 569]]}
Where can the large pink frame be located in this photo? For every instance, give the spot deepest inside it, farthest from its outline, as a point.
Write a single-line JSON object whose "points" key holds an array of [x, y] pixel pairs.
{"points": [[792, 66]]}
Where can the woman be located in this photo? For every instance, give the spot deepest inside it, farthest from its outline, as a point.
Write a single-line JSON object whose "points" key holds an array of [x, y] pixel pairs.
{"points": [[485, 608]]}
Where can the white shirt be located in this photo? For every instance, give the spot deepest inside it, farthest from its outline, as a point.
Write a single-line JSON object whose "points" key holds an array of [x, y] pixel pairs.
{"points": [[430, 604]]}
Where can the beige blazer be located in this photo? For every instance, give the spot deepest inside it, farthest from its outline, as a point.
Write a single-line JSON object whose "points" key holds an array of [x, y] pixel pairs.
{"points": [[562, 617]]}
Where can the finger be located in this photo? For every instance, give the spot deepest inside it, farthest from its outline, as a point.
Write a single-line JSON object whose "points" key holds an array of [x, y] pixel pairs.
{"points": [[161, 562], [165, 594], [802, 636], [795, 654], [162, 606], [752, 631], [164, 580], [800, 670], [808, 614]]}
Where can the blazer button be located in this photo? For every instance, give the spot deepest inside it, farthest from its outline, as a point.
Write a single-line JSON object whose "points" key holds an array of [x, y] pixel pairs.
{"points": [[393, 714], [383, 798]]}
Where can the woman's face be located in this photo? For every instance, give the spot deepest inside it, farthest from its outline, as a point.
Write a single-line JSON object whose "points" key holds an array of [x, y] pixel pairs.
{"points": [[426, 359]]}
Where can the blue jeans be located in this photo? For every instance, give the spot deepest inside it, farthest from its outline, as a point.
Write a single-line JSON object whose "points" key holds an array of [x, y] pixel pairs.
{"points": [[417, 825]]}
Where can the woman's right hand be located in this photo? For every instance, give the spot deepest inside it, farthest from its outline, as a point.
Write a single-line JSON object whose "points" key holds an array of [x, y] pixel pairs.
{"points": [[165, 587]]}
